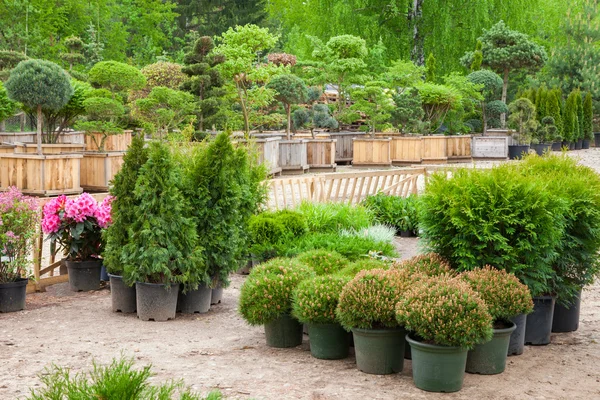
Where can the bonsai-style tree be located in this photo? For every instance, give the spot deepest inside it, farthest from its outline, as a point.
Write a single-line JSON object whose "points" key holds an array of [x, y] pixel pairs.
{"points": [[163, 73], [316, 115], [74, 55], [571, 118], [7, 106], [547, 131], [522, 118], [505, 50], [8, 60], [588, 117], [437, 101], [38, 85], [59, 120], [289, 90], [374, 101], [491, 84], [116, 77], [204, 79], [403, 75], [102, 115]]}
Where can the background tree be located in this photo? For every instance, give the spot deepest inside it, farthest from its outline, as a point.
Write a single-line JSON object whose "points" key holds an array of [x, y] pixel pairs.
{"points": [[402, 75], [57, 121], [438, 101], [374, 101], [491, 86], [505, 50], [289, 90], [553, 110], [408, 113], [164, 110], [477, 58], [74, 54], [8, 60], [523, 119], [39, 84], [116, 77], [7, 106], [580, 114], [430, 69], [588, 117]]}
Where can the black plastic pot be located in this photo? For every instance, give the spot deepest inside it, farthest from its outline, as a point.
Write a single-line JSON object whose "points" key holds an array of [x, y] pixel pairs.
{"points": [[122, 297], [156, 302], [597, 139], [104, 274], [516, 345], [515, 152], [12, 295], [539, 322], [195, 301], [579, 144], [572, 145], [541, 148], [566, 318], [84, 275], [585, 144], [216, 295], [556, 146], [407, 234]]}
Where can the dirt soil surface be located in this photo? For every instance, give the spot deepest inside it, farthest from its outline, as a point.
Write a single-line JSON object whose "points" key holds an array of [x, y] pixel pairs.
{"points": [[218, 350]]}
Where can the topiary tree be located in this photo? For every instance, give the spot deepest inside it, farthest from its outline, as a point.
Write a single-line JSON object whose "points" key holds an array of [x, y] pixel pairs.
{"points": [[553, 101], [289, 90], [491, 85], [374, 101], [430, 69], [505, 50], [588, 117], [102, 117], [116, 77], [75, 47], [571, 118], [38, 85], [408, 113], [8, 60], [164, 110], [59, 120], [163, 73], [437, 101], [522, 118], [579, 103]]}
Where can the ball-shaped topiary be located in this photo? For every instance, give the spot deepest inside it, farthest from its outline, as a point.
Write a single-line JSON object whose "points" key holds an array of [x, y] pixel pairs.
{"points": [[447, 311], [368, 301], [165, 74], [323, 262], [116, 76], [502, 292], [294, 223], [364, 264], [264, 229], [267, 293], [316, 299], [430, 264]]}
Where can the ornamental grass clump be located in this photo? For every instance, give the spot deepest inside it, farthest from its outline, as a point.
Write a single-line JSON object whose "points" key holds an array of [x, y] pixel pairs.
{"points": [[365, 264], [445, 311], [502, 292], [323, 262], [430, 264], [316, 299], [267, 293], [368, 301]]}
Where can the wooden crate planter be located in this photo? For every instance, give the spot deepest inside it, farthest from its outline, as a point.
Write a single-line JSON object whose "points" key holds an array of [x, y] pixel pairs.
{"points": [[43, 175], [344, 148], [458, 148], [98, 169], [320, 154], [434, 149], [268, 152], [372, 152], [120, 142], [72, 137], [21, 137], [490, 147], [7, 148], [60, 148], [293, 156], [406, 150]]}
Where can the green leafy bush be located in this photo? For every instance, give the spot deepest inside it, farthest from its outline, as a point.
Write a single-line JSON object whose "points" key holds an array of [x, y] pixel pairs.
{"points": [[267, 292], [316, 299], [363, 264], [447, 311], [332, 217], [264, 229], [293, 222], [116, 76], [323, 262], [400, 212], [502, 292], [429, 264]]}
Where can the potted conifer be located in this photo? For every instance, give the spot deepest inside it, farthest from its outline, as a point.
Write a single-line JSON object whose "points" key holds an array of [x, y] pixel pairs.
{"points": [[323, 262], [522, 118]]}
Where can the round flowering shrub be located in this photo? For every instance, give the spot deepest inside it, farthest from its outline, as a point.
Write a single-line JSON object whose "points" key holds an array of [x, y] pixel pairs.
{"points": [[316, 299], [368, 301], [19, 218], [323, 262], [76, 224], [446, 311], [430, 264], [267, 293], [365, 264], [502, 292]]}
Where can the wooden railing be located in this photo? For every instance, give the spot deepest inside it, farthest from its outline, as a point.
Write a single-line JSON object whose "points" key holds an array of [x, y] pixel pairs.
{"points": [[350, 187]]}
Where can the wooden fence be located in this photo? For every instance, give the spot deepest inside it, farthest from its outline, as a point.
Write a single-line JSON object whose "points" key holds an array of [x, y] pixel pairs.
{"points": [[350, 187]]}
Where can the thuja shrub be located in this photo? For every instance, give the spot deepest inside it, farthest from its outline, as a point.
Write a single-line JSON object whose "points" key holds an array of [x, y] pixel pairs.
{"points": [[267, 292], [323, 262], [497, 217], [446, 311], [368, 300], [430, 264], [504, 295], [363, 264], [316, 299]]}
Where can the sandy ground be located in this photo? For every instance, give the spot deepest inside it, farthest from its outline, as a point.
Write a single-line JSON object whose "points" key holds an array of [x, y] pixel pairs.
{"points": [[219, 350]]}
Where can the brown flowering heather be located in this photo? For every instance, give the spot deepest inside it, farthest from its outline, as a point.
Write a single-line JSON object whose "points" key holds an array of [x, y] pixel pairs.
{"points": [[267, 293], [368, 300], [446, 311], [430, 264], [316, 299], [282, 59], [366, 264], [503, 293], [323, 262]]}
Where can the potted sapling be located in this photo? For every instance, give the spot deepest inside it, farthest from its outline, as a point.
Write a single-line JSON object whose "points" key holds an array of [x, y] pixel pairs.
{"points": [[522, 118]]}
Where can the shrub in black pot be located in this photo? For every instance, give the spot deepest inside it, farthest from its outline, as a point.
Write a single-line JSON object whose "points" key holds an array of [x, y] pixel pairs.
{"points": [[399, 212], [522, 118]]}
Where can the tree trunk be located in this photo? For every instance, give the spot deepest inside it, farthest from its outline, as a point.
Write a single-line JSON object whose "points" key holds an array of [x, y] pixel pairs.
{"points": [[417, 54], [39, 129], [504, 90], [244, 110], [288, 111], [483, 111], [2, 126]]}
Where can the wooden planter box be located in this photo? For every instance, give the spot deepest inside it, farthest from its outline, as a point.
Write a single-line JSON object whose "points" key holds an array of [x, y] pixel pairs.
{"points": [[490, 147], [98, 169], [406, 150], [307, 135], [120, 142], [458, 148], [21, 137], [72, 137], [45, 175], [320, 154], [372, 152], [60, 148], [293, 156], [7, 148], [434, 149], [268, 152], [344, 148]]}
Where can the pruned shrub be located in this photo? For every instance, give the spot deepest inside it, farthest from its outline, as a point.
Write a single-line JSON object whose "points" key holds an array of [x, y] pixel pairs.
{"points": [[316, 299], [323, 262]]}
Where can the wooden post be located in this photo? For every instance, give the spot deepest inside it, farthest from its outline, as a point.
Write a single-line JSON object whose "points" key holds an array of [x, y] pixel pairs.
{"points": [[39, 129]]}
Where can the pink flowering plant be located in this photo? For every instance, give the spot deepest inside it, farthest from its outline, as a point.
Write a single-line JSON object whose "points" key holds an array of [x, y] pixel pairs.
{"points": [[19, 218], [76, 225]]}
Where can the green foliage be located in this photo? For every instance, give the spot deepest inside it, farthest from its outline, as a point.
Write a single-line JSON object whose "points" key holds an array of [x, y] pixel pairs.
{"points": [[588, 117], [430, 69], [553, 110], [332, 217], [491, 86], [399, 212], [522, 118], [374, 101], [477, 58], [316, 299], [162, 245], [408, 113], [379, 233], [116, 76], [362, 264], [318, 116], [438, 101], [430, 264], [102, 116], [123, 205], [7, 106], [267, 292], [447, 312], [289, 90], [323, 262], [571, 118], [580, 114], [547, 132], [164, 110], [163, 73], [403, 74]]}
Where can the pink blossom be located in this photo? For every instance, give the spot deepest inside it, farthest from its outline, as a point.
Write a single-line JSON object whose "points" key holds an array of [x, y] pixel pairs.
{"points": [[103, 213], [50, 223], [55, 205]]}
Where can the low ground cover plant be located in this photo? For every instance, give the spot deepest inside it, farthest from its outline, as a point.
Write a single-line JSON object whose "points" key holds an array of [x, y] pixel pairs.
{"points": [[399, 212]]}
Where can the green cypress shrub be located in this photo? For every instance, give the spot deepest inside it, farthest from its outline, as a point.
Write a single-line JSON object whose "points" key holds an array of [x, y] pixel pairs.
{"points": [[580, 115], [588, 117], [553, 110], [570, 118]]}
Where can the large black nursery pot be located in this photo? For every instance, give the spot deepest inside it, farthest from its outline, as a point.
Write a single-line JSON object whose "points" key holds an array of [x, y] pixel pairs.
{"points": [[12, 295], [572, 145], [284, 332], [516, 151], [490, 358], [539, 322], [328, 341], [566, 318], [597, 139], [155, 301], [84, 275], [379, 351], [579, 144], [557, 146], [122, 297], [216, 295], [585, 144], [195, 301], [541, 148], [516, 344]]}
